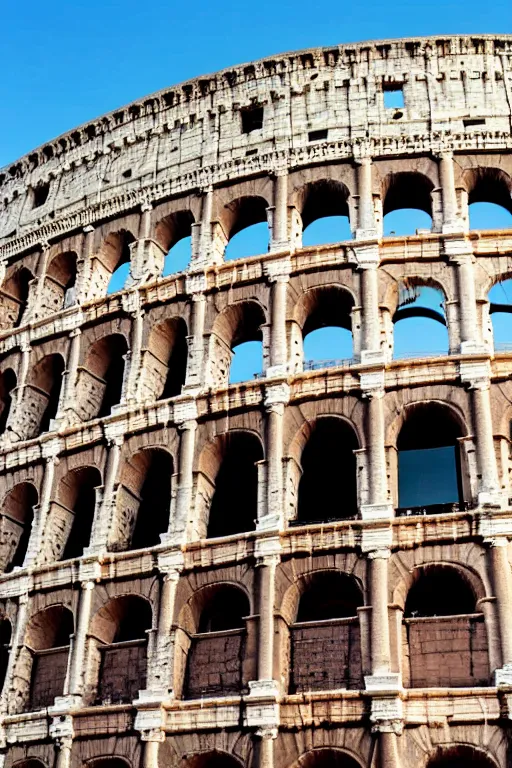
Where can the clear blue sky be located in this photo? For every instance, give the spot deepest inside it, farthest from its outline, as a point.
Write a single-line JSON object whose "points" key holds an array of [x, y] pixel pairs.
{"points": [[64, 63]]}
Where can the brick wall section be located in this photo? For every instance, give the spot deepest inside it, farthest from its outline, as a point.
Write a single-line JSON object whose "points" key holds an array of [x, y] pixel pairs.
{"points": [[326, 656], [449, 651], [48, 676], [215, 664], [123, 671]]}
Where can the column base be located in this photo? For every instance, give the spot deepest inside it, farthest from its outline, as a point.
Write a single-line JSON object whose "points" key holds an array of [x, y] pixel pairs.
{"points": [[261, 706], [153, 696], [263, 689], [373, 356], [473, 348], [385, 681], [63, 704], [269, 523], [377, 511], [503, 676], [495, 499], [276, 371]]}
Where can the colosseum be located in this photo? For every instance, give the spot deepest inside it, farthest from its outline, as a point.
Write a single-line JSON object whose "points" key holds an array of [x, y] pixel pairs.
{"points": [[203, 573]]}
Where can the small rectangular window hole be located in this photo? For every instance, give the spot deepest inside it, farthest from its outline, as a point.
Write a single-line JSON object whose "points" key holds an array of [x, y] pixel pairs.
{"points": [[394, 97], [318, 135], [252, 119], [41, 193], [472, 122]]}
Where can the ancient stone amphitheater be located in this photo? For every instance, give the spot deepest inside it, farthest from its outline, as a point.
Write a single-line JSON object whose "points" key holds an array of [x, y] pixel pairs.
{"points": [[203, 574]]}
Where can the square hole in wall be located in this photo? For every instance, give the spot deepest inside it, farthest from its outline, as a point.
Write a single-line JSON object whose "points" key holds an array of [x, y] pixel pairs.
{"points": [[41, 193], [252, 119], [318, 135], [393, 96]]}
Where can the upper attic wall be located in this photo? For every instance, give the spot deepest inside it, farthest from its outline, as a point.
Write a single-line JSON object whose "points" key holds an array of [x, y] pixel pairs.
{"points": [[192, 135]]}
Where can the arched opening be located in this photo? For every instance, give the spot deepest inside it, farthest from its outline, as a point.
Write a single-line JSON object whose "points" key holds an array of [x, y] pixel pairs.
{"points": [[490, 199], [324, 321], [59, 285], [420, 327], [112, 761], [74, 509], [14, 294], [48, 637], [165, 360], [215, 658], [143, 500], [324, 212], [328, 485], [42, 403], [325, 638], [7, 385], [326, 758], [111, 265], [16, 525], [429, 468], [121, 631], [100, 381], [174, 233], [234, 329], [212, 759], [247, 228], [407, 206], [500, 310], [234, 505], [460, 756], [446, 640], [5, 646]]}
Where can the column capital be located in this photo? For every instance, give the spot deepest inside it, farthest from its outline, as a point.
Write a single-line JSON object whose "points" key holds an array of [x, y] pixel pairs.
{"points": [[278, 270], [267, 551], [195, 285], [171, 564], [88, 229], [150, 724], [185, 412], [146, 206], [372, 384], [376, 542], [277, 394]]}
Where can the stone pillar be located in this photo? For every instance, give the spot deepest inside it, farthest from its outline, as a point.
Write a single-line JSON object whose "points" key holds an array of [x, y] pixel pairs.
{"points": [[105, 510], [134, 360], [15, 419], [366, 227], [267, 567], [42, 509], [379, 619], [78, 658], [378, 506], [388, 745], [501, 580], [266, 747], [370, 313], [67, 390], [150, 752], [451, 221], [489, 487], [195, 363], [278, 346], [16, 643], [280, 241], [469, 340], [64, 745], [84, 266], [184, 501], [276, 398], [205, 241], [37, 285]]}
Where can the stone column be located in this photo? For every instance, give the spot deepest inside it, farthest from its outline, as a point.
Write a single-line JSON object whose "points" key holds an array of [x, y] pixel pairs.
{"points": [[267, 575], [378, 506], [450, 218], [37, 285], [184, 501], [161, 667], [205, 241], [501, 579], [64, 745], [42, 509], [16, 643], [489, 487], [104, 512], [278, 351], [276, 398], [84, 266], [78, 658], [150, 752], [366, 227], [280, 239], [133, 373], [195, 367], [15, 419], [266, 747], [370, 311], [469, 341], [388, 746], [379, 619], [67, 390]]}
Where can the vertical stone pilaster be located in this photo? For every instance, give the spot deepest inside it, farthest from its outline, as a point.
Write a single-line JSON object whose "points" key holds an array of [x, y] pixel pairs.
{"points": [[379, 505], [37, 285], [77, 665], [133, 374], [276, 398], [105, 507], [67, 391], [451, 221], [280, 240], [84, 266], [489, 491], [187, 425], [41, 511], [366, 225], [195, 362], [502, 585], [16, 643]]}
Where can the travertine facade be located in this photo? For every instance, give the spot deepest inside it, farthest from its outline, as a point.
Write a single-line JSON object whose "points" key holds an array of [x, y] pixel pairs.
{"points": [[164, 588]]}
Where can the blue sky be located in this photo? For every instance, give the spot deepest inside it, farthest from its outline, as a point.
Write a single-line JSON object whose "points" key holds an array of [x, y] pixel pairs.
{"points": [[64, 63]]}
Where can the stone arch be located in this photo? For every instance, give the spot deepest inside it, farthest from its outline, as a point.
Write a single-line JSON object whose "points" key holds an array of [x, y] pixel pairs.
{"points": [[322, 452], [239, 214], [407, 190], [322, 609], [113, 252], [423, 447], [40, 397], [107, 761], [58, 290], [458, 755], [164, 361], [213, 758], [237, 324], [228, 472], [321, 757], [216, 644], [16, 524], [143, 500], [100, 379], [318, 308], [488, 184], [44, 656], [118, 652], [14, 293], [324, 198], [70, 518], [441, 618], [415, 299]]}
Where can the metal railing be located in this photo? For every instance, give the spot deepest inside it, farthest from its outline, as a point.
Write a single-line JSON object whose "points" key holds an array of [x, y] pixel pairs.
{"points": [[316, 365], [435, 509]]}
